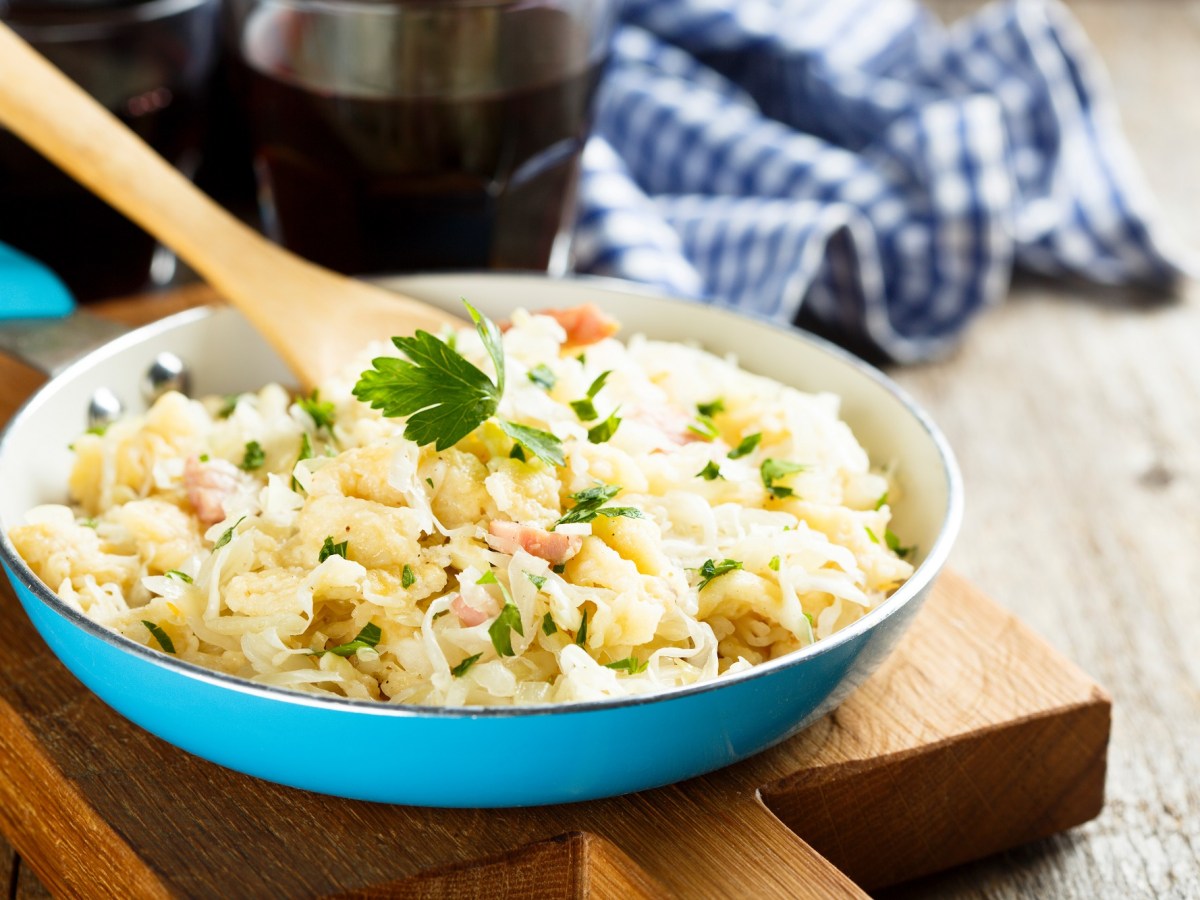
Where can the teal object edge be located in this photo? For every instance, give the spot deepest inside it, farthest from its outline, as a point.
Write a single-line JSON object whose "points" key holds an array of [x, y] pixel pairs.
{"points": [[29, 290]]}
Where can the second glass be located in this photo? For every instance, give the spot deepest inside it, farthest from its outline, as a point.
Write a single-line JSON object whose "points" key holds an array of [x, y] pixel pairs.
{"points": [[404, 136]]}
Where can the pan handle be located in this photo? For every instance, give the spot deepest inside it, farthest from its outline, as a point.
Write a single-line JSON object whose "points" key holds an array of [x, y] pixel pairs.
{"points": [[39, 325]]}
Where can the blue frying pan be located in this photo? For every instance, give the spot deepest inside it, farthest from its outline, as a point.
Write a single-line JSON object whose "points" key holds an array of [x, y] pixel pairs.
{"points": [[470, 757]]}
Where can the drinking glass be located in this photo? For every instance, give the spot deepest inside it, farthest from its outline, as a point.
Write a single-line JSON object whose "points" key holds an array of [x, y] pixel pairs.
{"points": [[147, 62], [406, 135]]}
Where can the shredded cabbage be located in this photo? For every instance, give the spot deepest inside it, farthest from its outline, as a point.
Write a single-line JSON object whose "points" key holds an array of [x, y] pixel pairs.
{"points": [[455, 554]]}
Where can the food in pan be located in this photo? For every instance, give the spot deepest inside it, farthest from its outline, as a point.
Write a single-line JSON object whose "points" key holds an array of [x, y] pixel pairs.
{"points": [[540, 516]]}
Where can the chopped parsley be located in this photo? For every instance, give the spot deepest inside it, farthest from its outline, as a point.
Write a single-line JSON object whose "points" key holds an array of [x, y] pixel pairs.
{"points": [[581, 359], [710, 570], [538, 580], [710, 409], [89, 523], [516, 453], [588, 505], [585, 409], [705, 427], [773, 565], [329, 548], [893, 544], [366, 639], [543, 376], [599, 434], [559, 569], [227, 535], [97, 430], [710, 472], [746, 447], [204, 457], [429, 481], [775, 469], [228, 406], [321, 412], [507, 622], [581, 634], [871, 535], [630, 664], [253, 457], [407, 578], [541, 444], [882, 501], [164, 639], [548, 626], [501, 630], [305, 453], [461, 669], [181, 576]]}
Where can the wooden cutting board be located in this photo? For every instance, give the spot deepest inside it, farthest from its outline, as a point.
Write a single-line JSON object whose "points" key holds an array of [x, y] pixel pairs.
{"points": [[975, 736]]}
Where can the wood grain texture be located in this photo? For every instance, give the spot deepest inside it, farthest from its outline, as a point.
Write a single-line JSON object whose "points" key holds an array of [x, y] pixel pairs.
{"points": [[1076, 418], [575, 865]]}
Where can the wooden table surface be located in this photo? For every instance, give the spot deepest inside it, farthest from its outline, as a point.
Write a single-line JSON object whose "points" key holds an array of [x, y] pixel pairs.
{"points": [[1076, 417]]}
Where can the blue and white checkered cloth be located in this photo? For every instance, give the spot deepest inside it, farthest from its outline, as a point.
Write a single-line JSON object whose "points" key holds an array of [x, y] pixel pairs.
{"points": [[858, 167]]}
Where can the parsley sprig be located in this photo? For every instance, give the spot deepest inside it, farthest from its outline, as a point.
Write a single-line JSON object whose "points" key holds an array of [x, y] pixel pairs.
{"points": [[444, 396]]}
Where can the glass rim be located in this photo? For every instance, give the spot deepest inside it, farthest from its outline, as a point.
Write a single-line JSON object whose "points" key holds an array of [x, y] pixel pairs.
{"points": [[98, 22], [393, 8]]}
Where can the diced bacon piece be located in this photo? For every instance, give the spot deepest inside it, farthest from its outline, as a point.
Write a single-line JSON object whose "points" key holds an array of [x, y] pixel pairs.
{"points": [[672, 424], [468, 615], [555, 548], [585, 324], [209, 485]]}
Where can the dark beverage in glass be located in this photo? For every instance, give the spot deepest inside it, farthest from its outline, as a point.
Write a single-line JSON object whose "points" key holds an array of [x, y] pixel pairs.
{"points": [[148, 63], [418, 136]]}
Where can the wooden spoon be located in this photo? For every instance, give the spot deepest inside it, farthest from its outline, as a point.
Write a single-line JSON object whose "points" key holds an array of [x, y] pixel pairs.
{"points": [[315, 318]]}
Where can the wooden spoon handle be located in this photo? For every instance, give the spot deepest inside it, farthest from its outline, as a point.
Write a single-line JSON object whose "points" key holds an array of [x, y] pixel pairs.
{"points": [[296, 305]]}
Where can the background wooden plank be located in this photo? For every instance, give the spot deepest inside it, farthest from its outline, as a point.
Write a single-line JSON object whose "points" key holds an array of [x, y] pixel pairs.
{"points": [[1076, 417]]}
